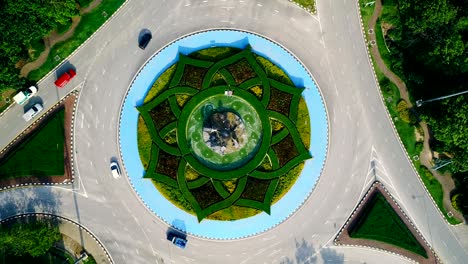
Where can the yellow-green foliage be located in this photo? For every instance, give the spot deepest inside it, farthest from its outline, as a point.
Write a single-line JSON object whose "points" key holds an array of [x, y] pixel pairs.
{"points": [[276, 125], [171, 137], [144, 142], [404, 112], [308, 4], [191, 174], [174, 195], [230, 185], [161, 83], [234, 213], [214, 54], [266, 163], [182, 99], [217, 79], [286, 182], [302, 123], [456, 201], [273, 71], [257, 90]]}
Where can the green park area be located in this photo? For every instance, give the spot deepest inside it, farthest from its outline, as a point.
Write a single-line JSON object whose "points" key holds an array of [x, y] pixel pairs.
{"points": [[34, 242], [424, 44], [378, 221], [39, 154], [67, 23], [223, 133]]}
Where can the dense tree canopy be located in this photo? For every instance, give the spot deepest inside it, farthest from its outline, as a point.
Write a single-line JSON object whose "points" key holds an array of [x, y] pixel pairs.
{"points": [[22, 23], [430, 39], [34, 238]]}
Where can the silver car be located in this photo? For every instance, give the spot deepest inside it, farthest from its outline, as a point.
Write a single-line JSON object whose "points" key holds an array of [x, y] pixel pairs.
{"points": [[32, 112]]}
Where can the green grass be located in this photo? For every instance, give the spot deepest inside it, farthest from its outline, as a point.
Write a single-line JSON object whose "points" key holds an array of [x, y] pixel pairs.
{"points": [[41, 154], [88, 25], [366, 13], [380, 222], [310, 4]]}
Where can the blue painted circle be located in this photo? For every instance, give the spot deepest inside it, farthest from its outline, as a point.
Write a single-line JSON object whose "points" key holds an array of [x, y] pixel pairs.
{"points": [[164, 209]]}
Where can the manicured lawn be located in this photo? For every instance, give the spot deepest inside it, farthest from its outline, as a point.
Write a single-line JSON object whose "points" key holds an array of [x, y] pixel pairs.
{"points": [[379, 222], [41, 154], [88, 25]]}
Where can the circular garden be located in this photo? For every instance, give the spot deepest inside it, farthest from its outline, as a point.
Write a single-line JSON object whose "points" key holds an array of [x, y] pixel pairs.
{"points": [[223, 134], [224, 126]]}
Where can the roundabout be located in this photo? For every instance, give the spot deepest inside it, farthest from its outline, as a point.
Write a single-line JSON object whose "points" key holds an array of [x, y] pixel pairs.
{"points": [[134, 230], [224, 134]]}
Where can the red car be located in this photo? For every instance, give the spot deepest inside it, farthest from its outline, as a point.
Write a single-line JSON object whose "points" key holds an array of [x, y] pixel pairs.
{"points": [[65, 78]]}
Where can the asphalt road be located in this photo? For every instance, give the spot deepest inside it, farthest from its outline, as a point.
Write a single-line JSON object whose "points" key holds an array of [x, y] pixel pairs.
{"points": [[332, 48]]}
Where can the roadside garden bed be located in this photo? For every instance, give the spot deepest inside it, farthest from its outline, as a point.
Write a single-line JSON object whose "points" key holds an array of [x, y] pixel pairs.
{"points": [[35, 148], [378, 222]]}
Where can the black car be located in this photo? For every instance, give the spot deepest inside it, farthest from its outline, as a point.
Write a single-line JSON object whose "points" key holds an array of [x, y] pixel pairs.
{"points": [[144, 40]]}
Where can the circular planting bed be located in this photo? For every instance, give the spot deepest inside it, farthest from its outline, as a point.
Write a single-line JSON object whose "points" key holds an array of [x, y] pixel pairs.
{"points": [[223, 133]]}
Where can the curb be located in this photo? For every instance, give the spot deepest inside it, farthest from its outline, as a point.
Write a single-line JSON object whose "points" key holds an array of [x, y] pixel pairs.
{"points": [[52, 216], [395, 131], [275, 43]]}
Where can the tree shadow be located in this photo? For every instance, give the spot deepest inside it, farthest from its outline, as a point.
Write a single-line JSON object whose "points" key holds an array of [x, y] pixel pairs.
{"points": [[307, 254], [29, 200], [330, 255]]}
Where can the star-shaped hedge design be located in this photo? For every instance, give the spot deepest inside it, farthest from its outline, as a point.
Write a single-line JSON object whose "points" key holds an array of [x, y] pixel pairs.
{"points": [[212, 181]]}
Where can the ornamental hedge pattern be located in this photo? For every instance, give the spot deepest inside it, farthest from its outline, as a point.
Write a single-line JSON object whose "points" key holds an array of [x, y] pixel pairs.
{"points": [[250, 182]]}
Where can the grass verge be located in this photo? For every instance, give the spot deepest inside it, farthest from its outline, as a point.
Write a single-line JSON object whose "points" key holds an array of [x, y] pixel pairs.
{"points": [[308, 4], [89, 24], [380, 222], [41, 154]]}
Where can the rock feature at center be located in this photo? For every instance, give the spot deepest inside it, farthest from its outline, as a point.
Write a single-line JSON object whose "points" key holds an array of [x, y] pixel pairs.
{"points": [[223, 131]]}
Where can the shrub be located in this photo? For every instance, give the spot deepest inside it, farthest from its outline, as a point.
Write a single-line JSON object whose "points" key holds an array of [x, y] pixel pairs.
{"points": [[404, 113], [456, 201]]}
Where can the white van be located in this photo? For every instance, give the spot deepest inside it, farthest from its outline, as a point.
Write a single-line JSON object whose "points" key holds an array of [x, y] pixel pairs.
{"points": [[32, 112], [23, 96]]}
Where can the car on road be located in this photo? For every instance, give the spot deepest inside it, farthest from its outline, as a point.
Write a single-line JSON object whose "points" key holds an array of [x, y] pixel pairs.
{"points": [[179, 242], [23, 96], [144, 40], [65, 78], [32, 112], [115, 169]]}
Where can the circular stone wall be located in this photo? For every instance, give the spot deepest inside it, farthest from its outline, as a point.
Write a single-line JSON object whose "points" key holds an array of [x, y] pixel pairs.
{"points": [[164, 209]]}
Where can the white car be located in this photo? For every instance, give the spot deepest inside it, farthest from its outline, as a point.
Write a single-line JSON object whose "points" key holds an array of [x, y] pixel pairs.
{"points": [[115, 169]]}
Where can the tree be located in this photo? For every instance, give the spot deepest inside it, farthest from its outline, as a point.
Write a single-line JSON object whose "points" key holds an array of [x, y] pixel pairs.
{"points": [[449, 125], [34, 238]]}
